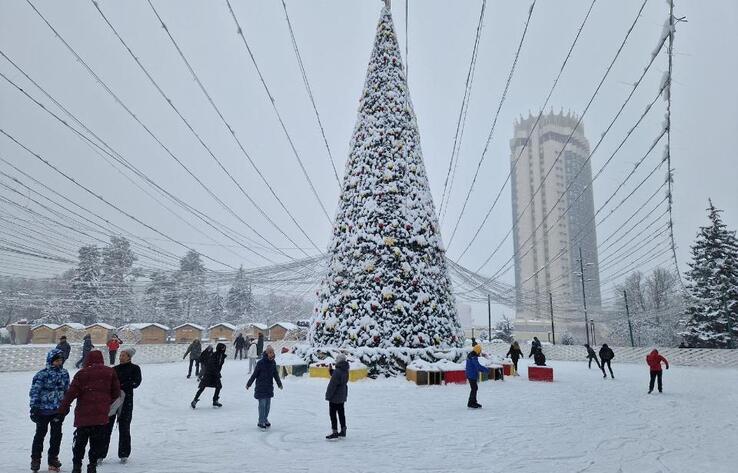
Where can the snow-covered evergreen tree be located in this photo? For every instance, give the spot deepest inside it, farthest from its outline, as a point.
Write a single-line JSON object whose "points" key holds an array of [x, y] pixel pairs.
{"points": [[240, 301], [387, 283], [191, 278], [116, 289], [216, 309], [86, 286], [712, 289]]}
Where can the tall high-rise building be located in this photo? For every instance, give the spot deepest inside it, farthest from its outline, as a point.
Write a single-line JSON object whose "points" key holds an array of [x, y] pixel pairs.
{"points": [[547, 237]]}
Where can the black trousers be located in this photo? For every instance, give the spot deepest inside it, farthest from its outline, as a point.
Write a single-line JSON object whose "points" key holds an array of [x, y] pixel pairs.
{"points": [[197, 367], [42, 426], [124, 437], [95, 434], [473, 393], [515, 364], [336, 409], [112, 356], [239, 353], [654, 376], [216, 395], [596, 361], [608, 367]]}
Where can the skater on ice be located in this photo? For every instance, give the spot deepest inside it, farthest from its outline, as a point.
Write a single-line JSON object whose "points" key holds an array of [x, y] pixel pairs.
{"points": [[129, 376], [336, 394], [265, 374], [654, 360], [204, 357], [606, 356], [240, 344], [211, 375], [534, 346], [65, 348], [251, 355], [194, 350], [47, 391], [591, 355], [113, 344], [95, 387], [473, 368], [87, 347], [259, 345], [515, 353]]}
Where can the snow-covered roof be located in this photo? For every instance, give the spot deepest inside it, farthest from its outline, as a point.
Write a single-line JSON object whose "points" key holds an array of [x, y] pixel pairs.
{"points": [[73, 325], [223, 324], [259, 326], [101, 324], [285, 325], [51, 326], [198, 327], [143, 325]]}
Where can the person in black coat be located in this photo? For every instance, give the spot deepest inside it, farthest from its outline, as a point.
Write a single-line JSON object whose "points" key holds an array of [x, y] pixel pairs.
{"points": [[591, 355], [515, 353], [65, 348], [606, 355], [336, 394], [260, 345], [204, 357], [539, 358], [535, 346], [194, 350], [129, 376], [264, 375], [87, 347], [211, 375], [240, 344]]}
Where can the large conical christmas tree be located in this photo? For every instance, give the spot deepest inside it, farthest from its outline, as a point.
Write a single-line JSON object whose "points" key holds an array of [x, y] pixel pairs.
{"points": [[712, 292], [387, 283]]}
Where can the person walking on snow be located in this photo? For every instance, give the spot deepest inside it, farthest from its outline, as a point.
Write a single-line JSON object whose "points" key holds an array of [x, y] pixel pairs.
{"points": [[240, 344], [129, 376], [65, 348], [606, 356], [94, 387], [472, 374], [265, 374], [194, 350], [113, 344], [654, 360], [591, 355], [252, 356], [259, 345], [535, 346], [47, 391], [336, 394], [87, 347], [211, 375], [515, 353]]}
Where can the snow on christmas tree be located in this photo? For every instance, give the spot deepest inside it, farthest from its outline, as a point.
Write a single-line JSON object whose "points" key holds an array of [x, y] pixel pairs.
{"points": [[712, 292], [387, 284]]}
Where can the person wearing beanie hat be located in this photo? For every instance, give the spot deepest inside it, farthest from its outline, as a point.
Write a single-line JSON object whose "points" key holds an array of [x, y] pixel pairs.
{"points": [[47, 390], [129, 375], [473, 368], [336, 394]]}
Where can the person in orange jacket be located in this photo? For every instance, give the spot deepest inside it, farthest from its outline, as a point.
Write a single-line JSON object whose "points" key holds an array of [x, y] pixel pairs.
{"points": [[113, 344], [654, 360]]}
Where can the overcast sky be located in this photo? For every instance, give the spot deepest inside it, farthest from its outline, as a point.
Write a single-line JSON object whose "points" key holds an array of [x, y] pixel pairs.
{"points": [[335, 39]]}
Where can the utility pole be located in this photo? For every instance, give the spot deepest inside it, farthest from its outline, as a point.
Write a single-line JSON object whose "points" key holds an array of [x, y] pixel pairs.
{"points": [[551, 305], [594, 338], [489, 318], [627, 314], [584, 295]]}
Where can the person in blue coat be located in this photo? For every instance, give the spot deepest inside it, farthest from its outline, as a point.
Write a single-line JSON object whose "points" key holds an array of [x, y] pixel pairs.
{"points": [[472, 375], [47, 391], [265, 374]]}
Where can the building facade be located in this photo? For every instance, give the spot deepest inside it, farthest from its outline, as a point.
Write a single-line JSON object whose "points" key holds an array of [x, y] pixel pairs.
{"points": [[553, 215]]}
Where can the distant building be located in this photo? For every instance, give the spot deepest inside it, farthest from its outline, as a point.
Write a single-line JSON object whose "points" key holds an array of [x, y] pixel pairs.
{"points": [[547, 237]]}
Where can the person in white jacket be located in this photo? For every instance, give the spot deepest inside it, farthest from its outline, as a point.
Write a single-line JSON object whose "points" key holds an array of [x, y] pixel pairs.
{"points": [[251, 355]]}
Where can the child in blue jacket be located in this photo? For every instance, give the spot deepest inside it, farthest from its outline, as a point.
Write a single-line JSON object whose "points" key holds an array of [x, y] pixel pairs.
{"points": [[472, 374], [47, 390]]}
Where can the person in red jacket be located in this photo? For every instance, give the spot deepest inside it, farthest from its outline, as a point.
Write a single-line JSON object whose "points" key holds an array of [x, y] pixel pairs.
{"points": [[654, 361], [95, 387], [113, 345]]}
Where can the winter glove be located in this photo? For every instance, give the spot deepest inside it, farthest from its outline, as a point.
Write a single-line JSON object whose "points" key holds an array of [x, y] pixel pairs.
{"points": [[34, 415]]}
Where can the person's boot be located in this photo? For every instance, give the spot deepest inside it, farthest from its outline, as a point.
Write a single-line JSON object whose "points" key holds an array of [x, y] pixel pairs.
{"points": [[342, 433], [92, 468], [35, 464], [216, 403], [77, 469], [54, 464], [193, 404], [332, 436], [124, 460]]}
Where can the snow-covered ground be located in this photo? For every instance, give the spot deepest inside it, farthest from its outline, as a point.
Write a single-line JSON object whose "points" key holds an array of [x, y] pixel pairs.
{"points": [[579, 423]]}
